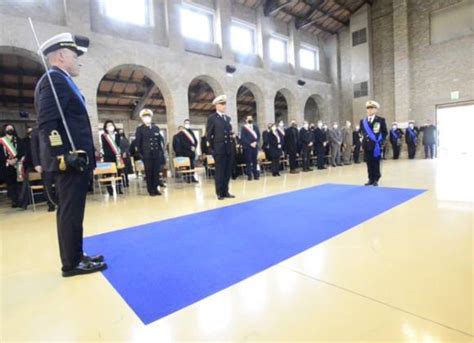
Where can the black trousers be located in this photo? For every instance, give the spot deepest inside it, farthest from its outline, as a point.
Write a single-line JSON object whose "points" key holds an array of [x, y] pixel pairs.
{"points": [[320, 156], [251, 162], [71, 191], [430, 151], [223, 172], [356, 153], [275, 165], [292, 158], [152, 174], [411, 151], [373, 166], [306, 156], [396, 151]]}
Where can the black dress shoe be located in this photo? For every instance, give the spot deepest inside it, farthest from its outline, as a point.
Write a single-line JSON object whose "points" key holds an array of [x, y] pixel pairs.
{"points": [[93, 258], [375, 184], [220, 197], [249, 178], [162, 184], [370, 183], [228, 195], [85, 267], [51, 208], [257, 178], [153, 194], [194, 180]]}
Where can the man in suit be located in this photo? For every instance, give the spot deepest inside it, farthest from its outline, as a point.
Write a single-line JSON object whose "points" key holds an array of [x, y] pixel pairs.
{"points": [[291, 145], [346, 133], [150, 145], [374, 132], [218, 132], [73, 169], [307, 142], [396, 136], [335, 140], [411, 138], [250, 138], [188, 145], [320, 144], [429, 139], [357, 143]]}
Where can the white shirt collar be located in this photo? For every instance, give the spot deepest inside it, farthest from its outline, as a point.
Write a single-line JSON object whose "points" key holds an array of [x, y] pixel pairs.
{"points": [[220, 113]]}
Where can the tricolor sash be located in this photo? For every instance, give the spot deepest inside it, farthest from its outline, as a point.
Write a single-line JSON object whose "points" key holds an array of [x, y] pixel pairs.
{"points": [[251, 131], [116, 150], [189, 136], [9, 147], [281, 131], [373, 138]]}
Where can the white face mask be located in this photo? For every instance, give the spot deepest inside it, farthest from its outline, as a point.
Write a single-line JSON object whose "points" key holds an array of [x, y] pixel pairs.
{"points": [[305, 126], [187, 126], [320, 125], [281, 125], [335, 126], [357, 128], [412, 126], [147, 120], [110, 129], [394, 127]]}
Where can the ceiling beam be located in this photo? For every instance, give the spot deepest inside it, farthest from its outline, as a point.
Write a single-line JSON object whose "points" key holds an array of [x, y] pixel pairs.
{"points": [[142, 102], [315, 8], [271, 7], [341, 4]]}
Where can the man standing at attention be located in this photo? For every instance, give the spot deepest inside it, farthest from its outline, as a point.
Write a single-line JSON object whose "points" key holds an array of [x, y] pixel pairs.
{"points": [[374, 132]]}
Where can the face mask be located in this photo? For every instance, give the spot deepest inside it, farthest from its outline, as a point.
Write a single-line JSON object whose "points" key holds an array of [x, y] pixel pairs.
{"points": [[305, 126], [187, 126], [281, 125], [335, 126], [110, 129], [357, 128], [412, 126], [10, 132], [394, 127], [320, 125], [147, 120]]}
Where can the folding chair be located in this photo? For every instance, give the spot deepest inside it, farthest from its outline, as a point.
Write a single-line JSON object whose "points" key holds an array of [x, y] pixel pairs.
{"points": [[106, 173], [34, 189], [182, 167]]}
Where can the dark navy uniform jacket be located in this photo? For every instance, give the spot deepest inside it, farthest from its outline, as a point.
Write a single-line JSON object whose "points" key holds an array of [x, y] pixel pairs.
{"points": [[218, 132], [75, 111], [150, 142], [246, 138], [367, 143]]}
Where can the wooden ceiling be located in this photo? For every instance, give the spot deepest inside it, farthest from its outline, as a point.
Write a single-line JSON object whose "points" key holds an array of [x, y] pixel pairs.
{"points": [[320, 17], [18, 78]]}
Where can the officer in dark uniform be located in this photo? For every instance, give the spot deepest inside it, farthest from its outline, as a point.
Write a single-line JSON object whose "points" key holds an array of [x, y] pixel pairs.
{"points": [[307, 142], [250, 138], [291, 145], [411, 138], [150, 143], [320, 143], [73, 169], [374, 132], [218, 131], [396, 136], [266, 141]]}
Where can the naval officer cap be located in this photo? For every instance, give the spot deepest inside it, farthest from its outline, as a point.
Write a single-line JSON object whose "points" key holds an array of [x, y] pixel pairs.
{"points": [[76, 43], [372, 103], [146, 112], [221, 99]]}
